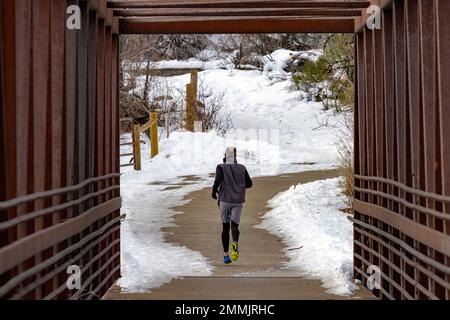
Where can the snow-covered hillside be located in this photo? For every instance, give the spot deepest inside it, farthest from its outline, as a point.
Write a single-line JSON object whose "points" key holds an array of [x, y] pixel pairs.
{"points": [[275, 131], [274, 120]]}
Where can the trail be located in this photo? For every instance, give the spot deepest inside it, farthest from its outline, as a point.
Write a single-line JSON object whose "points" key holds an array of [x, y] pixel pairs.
{"points": [[260, 272]]}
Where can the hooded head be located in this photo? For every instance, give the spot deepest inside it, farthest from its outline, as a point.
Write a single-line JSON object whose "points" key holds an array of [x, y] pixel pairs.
{"points": [[230, 155]]}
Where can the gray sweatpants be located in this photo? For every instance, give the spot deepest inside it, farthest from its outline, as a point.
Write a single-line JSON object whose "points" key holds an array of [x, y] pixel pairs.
{"points": [[230, 212]]}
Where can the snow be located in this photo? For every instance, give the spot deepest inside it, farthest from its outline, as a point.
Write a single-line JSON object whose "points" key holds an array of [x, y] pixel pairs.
{"points": [[309, 220], [278, 60], [189, 64], [275, 131], [209, 60], [263, 107], [147, 260]]}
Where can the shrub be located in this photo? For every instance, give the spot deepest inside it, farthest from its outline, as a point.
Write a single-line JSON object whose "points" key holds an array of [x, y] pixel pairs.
{"points": [[210, 111], [330, 78]]}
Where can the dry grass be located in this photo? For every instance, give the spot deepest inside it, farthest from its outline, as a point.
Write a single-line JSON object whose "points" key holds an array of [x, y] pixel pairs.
{"points": [[345, 157]]}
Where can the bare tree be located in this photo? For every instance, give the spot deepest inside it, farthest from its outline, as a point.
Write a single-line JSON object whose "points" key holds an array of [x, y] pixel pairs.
{"points": [[138, 56], [136, 60]]}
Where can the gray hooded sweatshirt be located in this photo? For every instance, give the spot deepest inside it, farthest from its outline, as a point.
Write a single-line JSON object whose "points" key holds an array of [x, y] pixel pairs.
{"points": [[232, 179]]}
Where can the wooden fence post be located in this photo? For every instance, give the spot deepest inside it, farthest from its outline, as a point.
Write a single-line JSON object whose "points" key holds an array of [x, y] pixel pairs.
{"points": [[191, 101], [189, 108], [137, 147], [154, 134], [194, 83]]}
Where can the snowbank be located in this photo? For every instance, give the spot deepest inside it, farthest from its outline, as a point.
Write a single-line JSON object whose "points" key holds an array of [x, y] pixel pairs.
{"points": [[190, 64], [147, 260], [278, 60], [308, 219]]}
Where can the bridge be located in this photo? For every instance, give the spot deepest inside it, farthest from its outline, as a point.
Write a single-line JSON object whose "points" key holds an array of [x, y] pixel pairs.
{"points": [[59, 133]]}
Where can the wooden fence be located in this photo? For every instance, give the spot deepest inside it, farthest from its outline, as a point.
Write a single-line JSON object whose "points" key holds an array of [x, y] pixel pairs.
{"points": [[130, 122], [152, 126]]}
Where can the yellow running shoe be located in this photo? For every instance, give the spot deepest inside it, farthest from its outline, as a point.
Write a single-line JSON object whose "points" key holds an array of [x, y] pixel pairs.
{"points": [[234, 248]]}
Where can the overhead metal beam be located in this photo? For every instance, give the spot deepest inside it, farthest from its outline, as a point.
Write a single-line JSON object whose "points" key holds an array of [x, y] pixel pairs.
{"points": [[289, 12], [235, 25], [237, 4]]}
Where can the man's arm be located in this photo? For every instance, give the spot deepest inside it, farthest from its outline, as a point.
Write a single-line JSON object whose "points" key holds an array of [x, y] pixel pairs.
{"points": [[217, 182], [248, 181]]}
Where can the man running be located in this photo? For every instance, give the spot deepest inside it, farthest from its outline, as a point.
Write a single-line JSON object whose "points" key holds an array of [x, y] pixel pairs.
{"points": [[232, 179]]}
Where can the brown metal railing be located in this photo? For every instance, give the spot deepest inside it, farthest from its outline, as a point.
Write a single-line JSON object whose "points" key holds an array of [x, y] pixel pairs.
{"points": [[402, 150], [59, 168], [59, 149]]}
